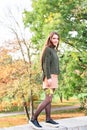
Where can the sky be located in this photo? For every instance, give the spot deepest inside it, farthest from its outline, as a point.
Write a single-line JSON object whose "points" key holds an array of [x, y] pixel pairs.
{"points": [[4, 6]]}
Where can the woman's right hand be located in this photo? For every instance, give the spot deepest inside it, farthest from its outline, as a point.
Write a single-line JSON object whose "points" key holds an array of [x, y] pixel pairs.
{"points": [[49, 81]]}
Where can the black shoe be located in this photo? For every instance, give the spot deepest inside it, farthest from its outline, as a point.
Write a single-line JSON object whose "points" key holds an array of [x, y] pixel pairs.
{"points": [[52, 122], [35, 124]]}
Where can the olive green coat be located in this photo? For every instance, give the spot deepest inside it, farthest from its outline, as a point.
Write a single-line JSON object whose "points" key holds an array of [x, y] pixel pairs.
{"points": [[50, 62]]}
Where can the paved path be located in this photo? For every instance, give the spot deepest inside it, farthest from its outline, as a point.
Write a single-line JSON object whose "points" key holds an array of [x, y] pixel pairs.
{"points": [[53, 109], [77, 123]]}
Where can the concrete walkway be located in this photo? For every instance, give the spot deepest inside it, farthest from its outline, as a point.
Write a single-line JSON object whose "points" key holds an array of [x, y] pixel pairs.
{"points": [[77, 123]]}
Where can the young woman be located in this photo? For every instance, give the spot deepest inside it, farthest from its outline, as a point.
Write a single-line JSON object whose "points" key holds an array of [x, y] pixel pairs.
{"points": [[50, 68]]}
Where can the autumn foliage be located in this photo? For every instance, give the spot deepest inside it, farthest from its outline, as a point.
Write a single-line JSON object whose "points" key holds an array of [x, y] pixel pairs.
{"points": [[13, 82]]}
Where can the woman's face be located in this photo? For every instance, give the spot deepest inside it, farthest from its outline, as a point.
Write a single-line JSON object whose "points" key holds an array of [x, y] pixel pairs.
{"points": [[55, 39]]}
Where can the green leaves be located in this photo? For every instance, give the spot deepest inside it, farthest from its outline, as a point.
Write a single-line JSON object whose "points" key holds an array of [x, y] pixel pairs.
{"points": [[68, 18]]}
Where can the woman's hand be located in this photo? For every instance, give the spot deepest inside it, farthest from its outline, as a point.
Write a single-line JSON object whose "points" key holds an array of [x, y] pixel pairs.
{"points": [[49, 81]]}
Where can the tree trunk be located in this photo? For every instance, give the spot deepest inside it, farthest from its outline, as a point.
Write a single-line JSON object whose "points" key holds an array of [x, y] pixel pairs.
{"points": [[61, 97], [31, 105], [25, 107]]}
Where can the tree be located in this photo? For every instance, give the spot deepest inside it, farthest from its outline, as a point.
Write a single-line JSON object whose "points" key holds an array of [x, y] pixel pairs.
{"points": [[67, 18], [63, 16], [25, 46]]}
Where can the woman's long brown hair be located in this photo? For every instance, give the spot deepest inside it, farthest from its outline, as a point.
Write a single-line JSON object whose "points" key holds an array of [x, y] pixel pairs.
{"points": [[49, 44]]}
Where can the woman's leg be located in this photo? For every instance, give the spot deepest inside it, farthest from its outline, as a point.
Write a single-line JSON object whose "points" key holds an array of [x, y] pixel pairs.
{"points": [[42, 106], [48, 111], [48, 107]]}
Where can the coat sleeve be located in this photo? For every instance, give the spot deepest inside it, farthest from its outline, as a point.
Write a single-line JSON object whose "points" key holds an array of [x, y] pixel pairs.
{"points": [[47, 61]]}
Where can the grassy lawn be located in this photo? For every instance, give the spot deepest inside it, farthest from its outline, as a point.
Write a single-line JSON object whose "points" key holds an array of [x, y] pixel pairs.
{"points": [[22, 119], [57, 103]]}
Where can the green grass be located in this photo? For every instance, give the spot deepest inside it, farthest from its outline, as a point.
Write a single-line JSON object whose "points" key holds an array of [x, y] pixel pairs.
{"points": [[57, 103]]}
